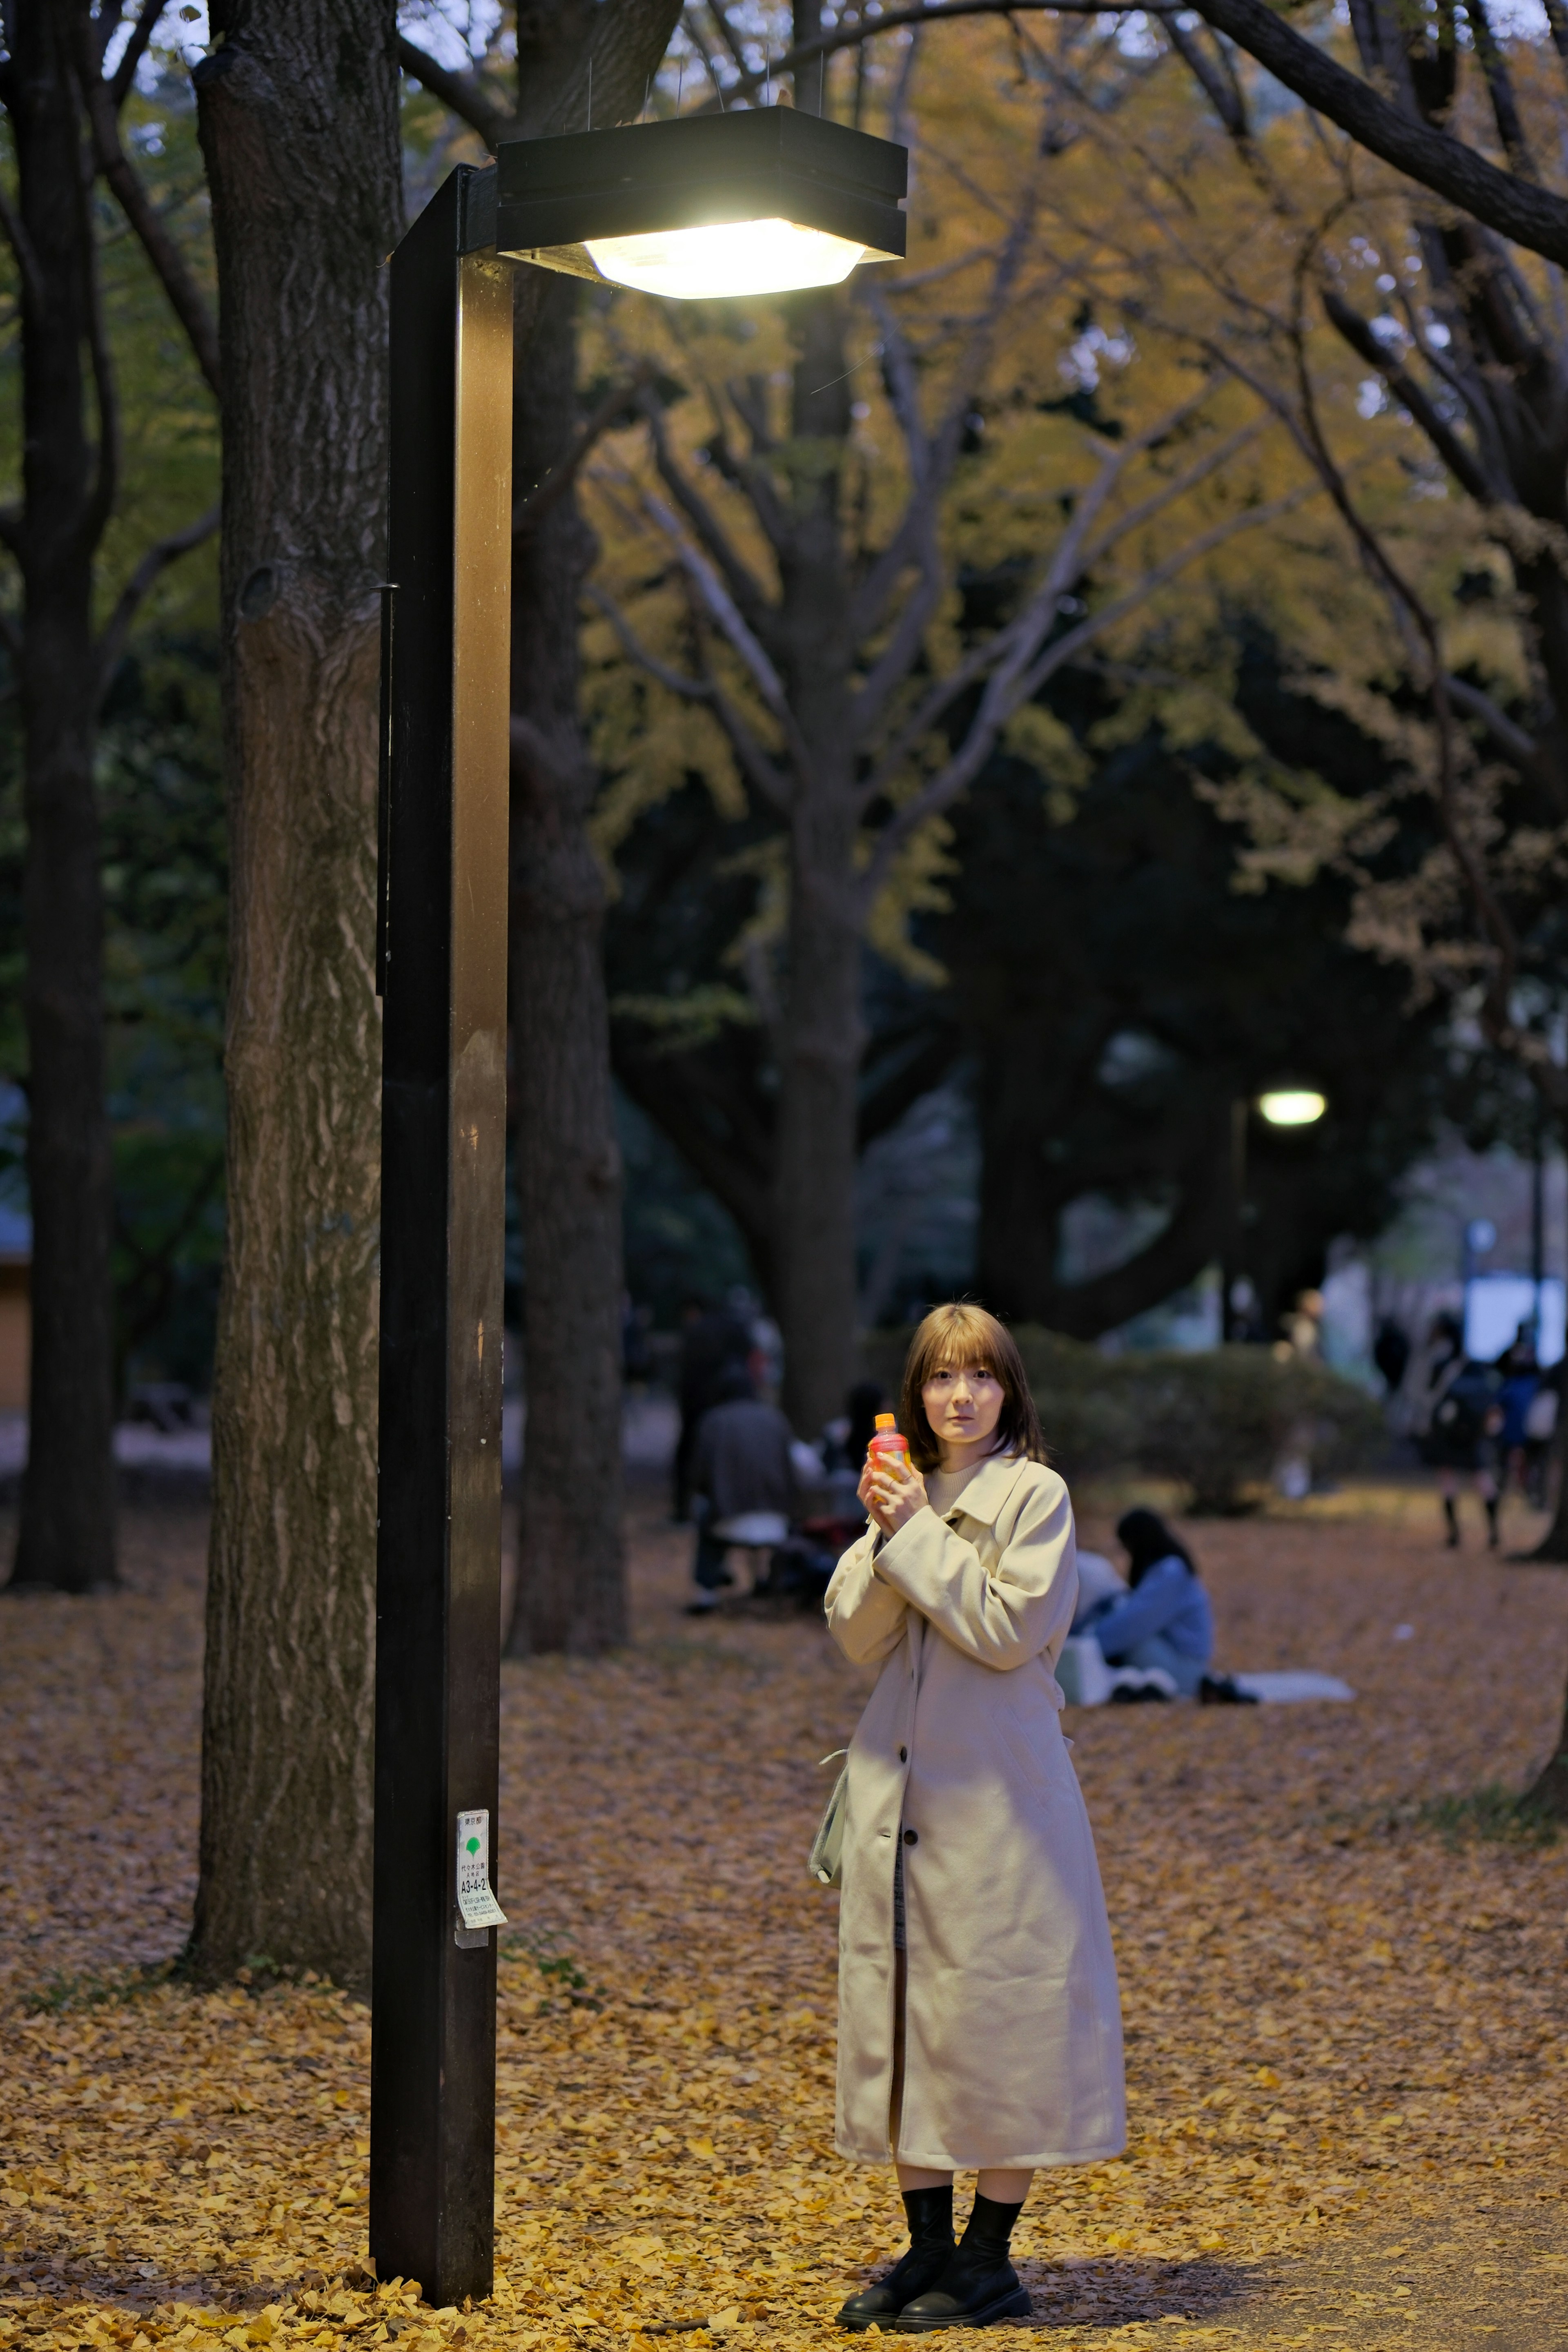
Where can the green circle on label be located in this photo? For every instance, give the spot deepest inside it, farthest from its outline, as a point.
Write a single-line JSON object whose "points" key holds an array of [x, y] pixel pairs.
{"points": [[473, 1845]]}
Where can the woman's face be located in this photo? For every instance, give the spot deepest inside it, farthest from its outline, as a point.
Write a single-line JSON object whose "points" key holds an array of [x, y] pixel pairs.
{"points": [[963, 1403]]}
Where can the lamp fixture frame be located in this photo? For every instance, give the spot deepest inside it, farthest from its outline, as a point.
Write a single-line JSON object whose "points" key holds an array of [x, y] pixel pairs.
{"points": [[441, 973], [694, 171]]}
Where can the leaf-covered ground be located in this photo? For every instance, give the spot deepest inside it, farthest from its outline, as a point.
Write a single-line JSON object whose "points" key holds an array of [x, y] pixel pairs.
{"points": [[1347, 2022]]}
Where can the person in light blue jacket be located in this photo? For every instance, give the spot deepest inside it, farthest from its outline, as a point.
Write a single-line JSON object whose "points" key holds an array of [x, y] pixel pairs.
{"points": [[1163, 1619]]}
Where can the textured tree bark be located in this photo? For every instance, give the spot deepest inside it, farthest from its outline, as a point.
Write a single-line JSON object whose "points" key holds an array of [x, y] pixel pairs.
{"points": [[570, 1574], [299, 120], [1552, 1552], [820, 1040], [571, 1592], [66, 1538], [820, 1032]]}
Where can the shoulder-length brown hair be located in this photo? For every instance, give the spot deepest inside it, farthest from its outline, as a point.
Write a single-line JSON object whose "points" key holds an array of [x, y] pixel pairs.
{"points": [[960, 1335]]}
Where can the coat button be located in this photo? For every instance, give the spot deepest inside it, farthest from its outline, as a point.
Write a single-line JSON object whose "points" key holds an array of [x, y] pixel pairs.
{"points": [[912, 1837], [904, 1755]]}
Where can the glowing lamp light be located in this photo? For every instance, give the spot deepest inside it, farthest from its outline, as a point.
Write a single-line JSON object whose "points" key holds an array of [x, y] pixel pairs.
{"points": [[1292, 1106], [725, 257], [706, 207]]}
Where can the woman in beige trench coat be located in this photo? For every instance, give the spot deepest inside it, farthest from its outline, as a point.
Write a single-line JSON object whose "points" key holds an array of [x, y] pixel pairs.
{"points": [[978, 2018]]}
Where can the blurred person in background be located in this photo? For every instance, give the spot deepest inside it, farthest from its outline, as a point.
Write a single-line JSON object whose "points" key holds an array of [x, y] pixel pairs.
{"points": [[1163, 1622], [1521, 1386], [1458, 1419], [743, 1475], [1303, 1327], [715, 1342], [1540, 1434]]}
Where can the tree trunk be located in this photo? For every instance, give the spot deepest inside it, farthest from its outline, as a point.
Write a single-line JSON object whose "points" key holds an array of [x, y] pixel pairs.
{"points": [[821, 1044], [571, 1575], [1548, 1794], [299, 120], [822, 1030], [1552, 1548], [570, 1570], [66, 1538]]}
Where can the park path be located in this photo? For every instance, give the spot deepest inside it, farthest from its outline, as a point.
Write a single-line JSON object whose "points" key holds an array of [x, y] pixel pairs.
{"points": [[1347, 2035]]}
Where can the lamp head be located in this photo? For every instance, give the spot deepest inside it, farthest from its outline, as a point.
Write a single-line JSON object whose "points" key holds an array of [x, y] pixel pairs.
{"points": [[705, 206], [1292, 1106]]}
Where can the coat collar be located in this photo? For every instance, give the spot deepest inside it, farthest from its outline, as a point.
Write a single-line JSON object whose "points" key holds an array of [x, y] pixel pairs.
{"points": [[988, 1489]]}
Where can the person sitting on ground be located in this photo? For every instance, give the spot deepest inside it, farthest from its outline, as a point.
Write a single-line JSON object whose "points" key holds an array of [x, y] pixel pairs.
{"points": [[741, 1468], [1166, 1623], [1100, 1585]]}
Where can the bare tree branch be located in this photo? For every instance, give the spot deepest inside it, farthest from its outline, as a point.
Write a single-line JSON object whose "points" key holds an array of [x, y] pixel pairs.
{"points": [[105, 490], [528, 512], [1014, 644], [754, 761], [186, 296], [744, 586], [1216, 82], [1007, 691], [158, 558], [1532, 216], [465, 94], [1201, 468], [721, 607], [1519, 745], [1357, 332], [1500, 90], [135, 49]]}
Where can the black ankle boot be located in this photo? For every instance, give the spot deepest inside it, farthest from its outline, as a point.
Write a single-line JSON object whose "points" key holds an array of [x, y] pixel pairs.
{"points": [[980, 2284], [930, 2216], [1452, 1519]]}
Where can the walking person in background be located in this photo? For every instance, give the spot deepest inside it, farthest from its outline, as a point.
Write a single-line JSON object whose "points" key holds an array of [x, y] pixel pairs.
{"points": [[1460, 1420], [1520, 1387], [980, 2024]]}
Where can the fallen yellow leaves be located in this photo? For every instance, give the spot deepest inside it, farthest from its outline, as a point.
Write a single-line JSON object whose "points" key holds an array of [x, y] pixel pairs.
{"points": [[1339, 2031]]}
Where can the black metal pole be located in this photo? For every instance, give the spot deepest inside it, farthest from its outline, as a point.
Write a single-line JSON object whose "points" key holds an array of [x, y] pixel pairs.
{"points": [[1233, 1319], [441, 944]]}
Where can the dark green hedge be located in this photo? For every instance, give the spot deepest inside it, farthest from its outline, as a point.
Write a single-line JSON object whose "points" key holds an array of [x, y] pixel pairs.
{"points": [[1217, 1422]]}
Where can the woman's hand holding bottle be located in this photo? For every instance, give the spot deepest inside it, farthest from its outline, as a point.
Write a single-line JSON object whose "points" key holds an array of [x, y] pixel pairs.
{"points": [[892, 1491]]}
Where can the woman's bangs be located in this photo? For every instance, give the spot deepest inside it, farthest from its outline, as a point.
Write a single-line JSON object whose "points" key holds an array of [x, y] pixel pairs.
{"points": [[966, 1338]]}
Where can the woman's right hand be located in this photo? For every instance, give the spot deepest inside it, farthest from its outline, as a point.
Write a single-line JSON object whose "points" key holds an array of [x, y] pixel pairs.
{"points": [[892, 1490]]}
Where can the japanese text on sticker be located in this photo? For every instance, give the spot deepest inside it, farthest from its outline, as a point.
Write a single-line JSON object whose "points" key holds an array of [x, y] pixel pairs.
{"points": [[474, 1900]]}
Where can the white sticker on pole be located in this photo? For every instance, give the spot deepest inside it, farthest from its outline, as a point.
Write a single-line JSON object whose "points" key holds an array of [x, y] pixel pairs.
{"points": [[474, 1900]]}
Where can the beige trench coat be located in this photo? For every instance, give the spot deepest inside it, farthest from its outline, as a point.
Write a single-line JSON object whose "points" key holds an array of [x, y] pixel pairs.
{"points": [[1013, 2026]]}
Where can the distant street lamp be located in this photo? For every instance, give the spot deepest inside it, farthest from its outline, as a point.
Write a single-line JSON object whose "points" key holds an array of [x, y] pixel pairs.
{"points": [[749, 202], [1292, 1106], [1283, 1106]]}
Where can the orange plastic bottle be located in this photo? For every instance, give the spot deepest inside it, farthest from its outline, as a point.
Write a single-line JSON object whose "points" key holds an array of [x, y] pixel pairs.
{"points": [[887, 1440]]}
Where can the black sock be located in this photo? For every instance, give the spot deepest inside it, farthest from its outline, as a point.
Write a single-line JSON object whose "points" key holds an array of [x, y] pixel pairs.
{"points": [[989, 2229], [929, 2212], [1451, 1514]]}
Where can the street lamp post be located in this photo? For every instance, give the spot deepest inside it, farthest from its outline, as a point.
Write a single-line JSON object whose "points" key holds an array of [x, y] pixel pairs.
{"points": [[1280, 1106], [756, 201]]}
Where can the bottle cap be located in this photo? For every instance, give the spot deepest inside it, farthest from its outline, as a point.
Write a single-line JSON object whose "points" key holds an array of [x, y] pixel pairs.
{"points": [[886, 1421]]}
